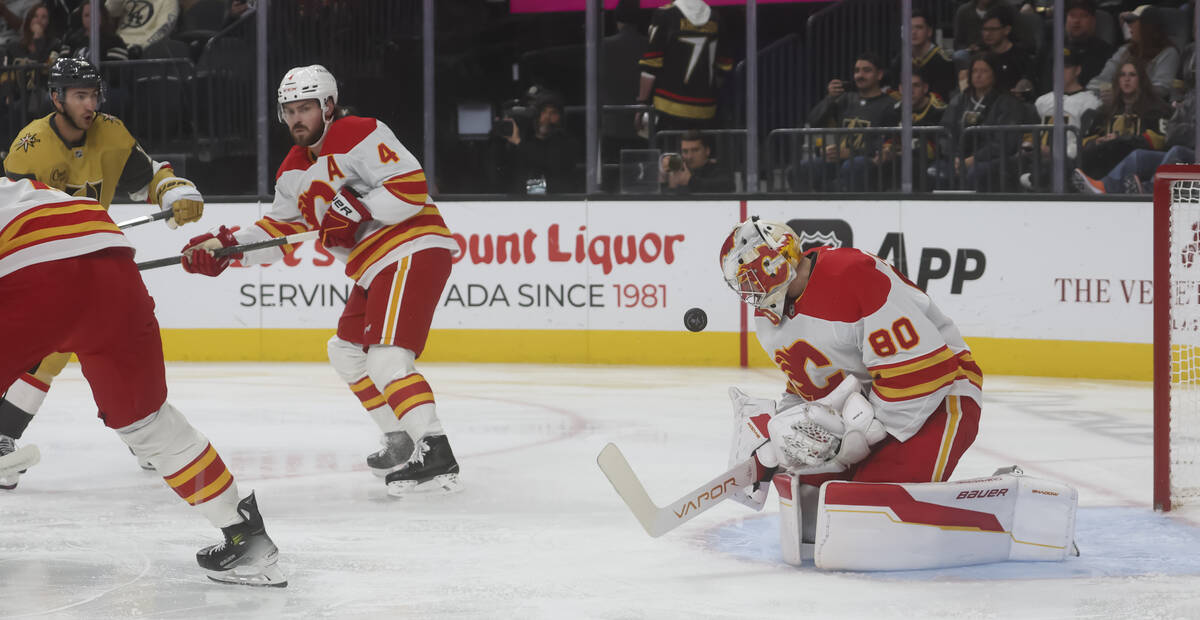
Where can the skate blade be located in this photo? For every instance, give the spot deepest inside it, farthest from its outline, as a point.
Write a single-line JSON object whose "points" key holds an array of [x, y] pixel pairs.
{"points": [[8, 484], [444, 484], [269, 576]]}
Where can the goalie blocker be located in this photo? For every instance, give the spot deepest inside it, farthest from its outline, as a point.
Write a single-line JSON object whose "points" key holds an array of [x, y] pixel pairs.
{"points": [[886, 526]]}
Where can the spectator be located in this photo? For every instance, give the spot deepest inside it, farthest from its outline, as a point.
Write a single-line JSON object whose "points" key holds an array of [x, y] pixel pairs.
{"points": [[144, 22], [931, 58], [1080, 31], [1149, 47], [12, 13], [1078, 102], [1014, 65], [682, 65], [695, 172], [112, 47], [35, 45], [1135, 172], [544, 162], [927, 111], [850, 161], [619, 81], [982, 158], [234, 12], [968, 24], [1135, 119]]}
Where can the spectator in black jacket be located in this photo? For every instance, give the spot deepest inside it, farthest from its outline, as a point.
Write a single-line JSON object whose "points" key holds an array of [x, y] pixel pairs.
{"points": [[850, 161], [1080, 30], [696, 172], [934, 61], [544, 162], [927, 111], [112, 46], [982, 157], [1013, 63]]}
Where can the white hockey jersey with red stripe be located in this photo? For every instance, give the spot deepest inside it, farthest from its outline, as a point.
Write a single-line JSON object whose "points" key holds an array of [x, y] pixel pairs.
{"points": [[859, 316], [39, 224], [364, 154]]}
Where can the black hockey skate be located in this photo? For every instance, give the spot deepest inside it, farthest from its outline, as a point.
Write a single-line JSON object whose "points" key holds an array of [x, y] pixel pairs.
{"points": [[247, 557], [397, 449], [431, 468]]}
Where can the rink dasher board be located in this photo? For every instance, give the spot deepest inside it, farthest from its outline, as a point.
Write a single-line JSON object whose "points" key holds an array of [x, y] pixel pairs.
{"points": [[609, 281]]}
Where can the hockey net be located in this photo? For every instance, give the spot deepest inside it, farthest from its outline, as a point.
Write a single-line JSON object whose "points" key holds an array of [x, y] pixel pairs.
{"points": [[1176, 337]]}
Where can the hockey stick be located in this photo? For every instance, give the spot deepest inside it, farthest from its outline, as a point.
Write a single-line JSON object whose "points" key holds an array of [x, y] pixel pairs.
{"points": [[20, 459], [153, 217], [658, 520], [235, 249]]}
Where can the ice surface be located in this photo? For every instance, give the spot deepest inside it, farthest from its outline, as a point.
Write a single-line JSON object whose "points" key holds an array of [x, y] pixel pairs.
{"points": [[537, 531]]}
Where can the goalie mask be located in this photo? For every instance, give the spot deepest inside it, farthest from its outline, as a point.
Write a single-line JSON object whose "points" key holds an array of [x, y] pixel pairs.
{"points": [[759, 260]]}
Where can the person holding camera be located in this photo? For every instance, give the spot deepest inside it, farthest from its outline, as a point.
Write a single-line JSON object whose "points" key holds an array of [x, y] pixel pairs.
{"points": [[542, 161], [851, 161], [693, 170]]}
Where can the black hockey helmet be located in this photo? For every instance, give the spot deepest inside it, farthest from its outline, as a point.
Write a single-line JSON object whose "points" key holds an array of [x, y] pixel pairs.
{"points": [[69, 72]]}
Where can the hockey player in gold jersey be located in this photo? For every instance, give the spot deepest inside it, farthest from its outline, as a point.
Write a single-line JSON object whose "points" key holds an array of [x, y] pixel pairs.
{"points": [[84, 152]]}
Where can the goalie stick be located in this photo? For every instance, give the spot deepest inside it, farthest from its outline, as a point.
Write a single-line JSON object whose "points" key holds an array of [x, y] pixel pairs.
{"points": [[20, 459], [153, 217], [658, 520], [235, 249]]}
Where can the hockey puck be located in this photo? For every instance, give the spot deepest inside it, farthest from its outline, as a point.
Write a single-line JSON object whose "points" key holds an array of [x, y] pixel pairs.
{"points": [[695, 320]]}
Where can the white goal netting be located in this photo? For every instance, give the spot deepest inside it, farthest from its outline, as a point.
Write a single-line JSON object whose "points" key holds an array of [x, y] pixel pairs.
{"points": [[1184, 296]]}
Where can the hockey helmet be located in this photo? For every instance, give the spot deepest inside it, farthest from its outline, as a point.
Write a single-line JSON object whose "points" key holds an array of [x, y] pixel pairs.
{"points": [[69, 72], [759, 260], [311, 82]]}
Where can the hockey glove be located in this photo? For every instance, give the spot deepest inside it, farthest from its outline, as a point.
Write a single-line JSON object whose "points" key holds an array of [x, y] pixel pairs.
{"points": [[339, 227], [181, 196], [197, 255]]}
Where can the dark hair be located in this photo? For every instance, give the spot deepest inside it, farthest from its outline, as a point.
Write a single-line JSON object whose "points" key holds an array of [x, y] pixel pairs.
{"points": [[1001, 12], [917, 13], [1146, 98], [27, 21], [992, 61], [106, 22], [872, 58], [693, 135], [1153, 39]]}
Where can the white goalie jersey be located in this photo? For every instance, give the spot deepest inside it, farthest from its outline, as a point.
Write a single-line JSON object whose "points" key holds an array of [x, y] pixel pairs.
{"points": [[858, 316]]}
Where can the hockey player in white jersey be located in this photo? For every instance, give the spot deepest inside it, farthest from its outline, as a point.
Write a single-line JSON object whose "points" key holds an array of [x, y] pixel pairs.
{"points": [[834, 320], [351, 179]]}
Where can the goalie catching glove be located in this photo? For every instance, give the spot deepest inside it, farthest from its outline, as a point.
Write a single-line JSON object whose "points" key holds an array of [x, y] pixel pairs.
{"points": [[197, 255], [339, 226], [812, 438], [182, 198]]}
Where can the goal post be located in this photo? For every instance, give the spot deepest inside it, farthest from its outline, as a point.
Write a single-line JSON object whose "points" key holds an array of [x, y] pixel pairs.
{"points": [[1176, 336]]}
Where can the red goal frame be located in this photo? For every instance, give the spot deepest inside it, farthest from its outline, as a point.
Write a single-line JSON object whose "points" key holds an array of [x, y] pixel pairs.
{"points": [[1162, 326]]}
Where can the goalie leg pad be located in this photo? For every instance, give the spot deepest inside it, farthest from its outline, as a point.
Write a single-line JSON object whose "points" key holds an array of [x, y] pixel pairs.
{"points": [[406, 391], [884, 526], [797, 517], [190, 464]]}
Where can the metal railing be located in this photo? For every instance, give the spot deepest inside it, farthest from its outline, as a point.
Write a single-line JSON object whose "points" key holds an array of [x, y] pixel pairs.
{"points": [[867, 159]]}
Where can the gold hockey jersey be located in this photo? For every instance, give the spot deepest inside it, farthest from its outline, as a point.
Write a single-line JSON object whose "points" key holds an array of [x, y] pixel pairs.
{"points": [[108, 159]]}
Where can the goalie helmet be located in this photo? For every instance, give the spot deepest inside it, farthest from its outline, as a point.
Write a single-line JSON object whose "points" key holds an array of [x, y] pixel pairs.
{"points": [[311, 82], [69, 72], [759, 260]]}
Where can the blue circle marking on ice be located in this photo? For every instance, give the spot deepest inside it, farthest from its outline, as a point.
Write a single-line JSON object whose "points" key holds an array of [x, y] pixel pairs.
{"points": [[1113, 542]]}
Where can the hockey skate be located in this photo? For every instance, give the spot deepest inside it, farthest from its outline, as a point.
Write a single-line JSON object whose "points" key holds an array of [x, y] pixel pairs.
{"points": [[13, 461], [431, 468], [397, 449], [247, 557]]}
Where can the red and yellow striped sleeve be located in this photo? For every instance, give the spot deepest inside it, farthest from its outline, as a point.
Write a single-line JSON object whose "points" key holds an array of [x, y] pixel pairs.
{"points": [[55, 222], [278, 229], [373, 248], [921, 376], [409, 187]]}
